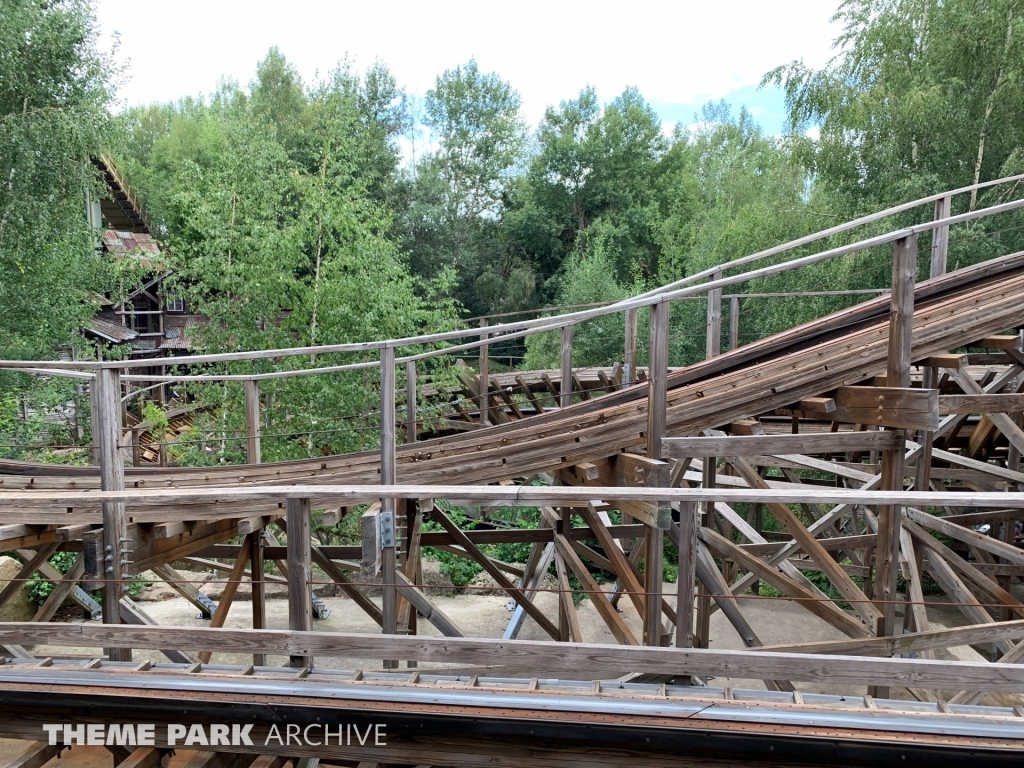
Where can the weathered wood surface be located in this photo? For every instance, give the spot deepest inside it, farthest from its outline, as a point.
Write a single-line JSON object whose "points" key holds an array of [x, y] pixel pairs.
{"points": [[562, 658]]}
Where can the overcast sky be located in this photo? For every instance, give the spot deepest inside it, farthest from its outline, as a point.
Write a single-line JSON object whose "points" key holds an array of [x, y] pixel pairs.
{"points": [[679, 54]]}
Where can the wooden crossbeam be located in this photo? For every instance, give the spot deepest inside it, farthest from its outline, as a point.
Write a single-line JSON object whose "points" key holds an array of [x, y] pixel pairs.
{"points": [[561, 659], [775, 445]]}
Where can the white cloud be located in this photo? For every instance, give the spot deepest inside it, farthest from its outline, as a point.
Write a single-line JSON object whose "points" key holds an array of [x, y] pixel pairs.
{"points": [[678, 52]]}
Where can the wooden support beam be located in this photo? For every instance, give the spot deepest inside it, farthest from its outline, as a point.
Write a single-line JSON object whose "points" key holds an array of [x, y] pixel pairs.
{"points": [[902, 408], [517, 594], [131, 613], [388, 476], [25, 572], [778, 445], [654, 543], [252, 421], [557, 659], [686, 544], [734, 322], [35, 755], [254, 541], [410, 402], [483, 373], [300, 616], [940, 238], [566, 604], [1002, 421], [657, 397], [597, 596], [839, 578], [1000, 403], [61, 591], [713, 347], [789, 587], [629, 352], [427, 609], [565, 398], [228, 595], [108, 421], [339, 578]]}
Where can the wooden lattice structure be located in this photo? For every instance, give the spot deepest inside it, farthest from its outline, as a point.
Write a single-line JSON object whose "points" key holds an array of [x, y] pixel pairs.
{"points": [[883, 442]]}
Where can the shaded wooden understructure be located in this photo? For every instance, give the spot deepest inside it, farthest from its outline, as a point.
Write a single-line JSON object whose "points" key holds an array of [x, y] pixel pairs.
{"points": [[862, 466]]}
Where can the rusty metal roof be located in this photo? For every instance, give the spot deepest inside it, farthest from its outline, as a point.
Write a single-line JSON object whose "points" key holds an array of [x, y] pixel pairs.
{"points": [[110, 331], [129, 243]]}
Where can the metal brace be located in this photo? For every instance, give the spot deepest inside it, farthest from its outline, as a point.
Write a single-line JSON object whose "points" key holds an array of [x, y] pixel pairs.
{"points": [[387, 529]]}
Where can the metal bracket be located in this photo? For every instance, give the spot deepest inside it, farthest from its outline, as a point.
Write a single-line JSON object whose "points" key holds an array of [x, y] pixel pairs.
{"points": [[387, 528], [209, 606], [320, 611]]}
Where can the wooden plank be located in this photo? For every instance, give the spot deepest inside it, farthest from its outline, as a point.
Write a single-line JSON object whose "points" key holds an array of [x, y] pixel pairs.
{"points": [[1006, 342], [966, 535], [545, 656], [1000, 403], [935, 639], [776, 445], [300, 616]]}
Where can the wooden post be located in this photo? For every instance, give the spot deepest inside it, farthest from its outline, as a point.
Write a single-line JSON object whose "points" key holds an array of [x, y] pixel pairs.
{"points": [[300, 613], [94, 420], [259, 605], [703, 629], [922, 474], [940, 238], [629, 355], [485, 377], [410, 401], [734, 322], [901, 319], [107, 418], [714, 329], [657, 377], [654, 540], [565, 400], [252, 421], [388, 476], [564, 623], [687, 570]]}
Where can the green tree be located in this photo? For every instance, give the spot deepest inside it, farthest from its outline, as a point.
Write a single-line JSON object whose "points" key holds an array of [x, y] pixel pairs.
{"points": [[55, 86], [459, 191], [922, 95]]}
